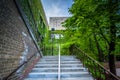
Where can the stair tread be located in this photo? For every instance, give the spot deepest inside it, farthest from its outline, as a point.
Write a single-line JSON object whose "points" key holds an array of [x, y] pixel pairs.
{"points": [[90, 78], [83, 72], [71, 68], [57, 61], [61, 68], [56, 64], [75, 78], [56, 75]]}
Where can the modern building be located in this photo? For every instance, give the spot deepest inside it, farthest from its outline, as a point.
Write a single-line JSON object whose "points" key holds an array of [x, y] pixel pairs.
{"points": [[56, 23]]}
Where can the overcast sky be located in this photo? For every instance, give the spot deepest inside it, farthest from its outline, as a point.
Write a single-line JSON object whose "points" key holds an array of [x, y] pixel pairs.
{"points": [[56, 8]]}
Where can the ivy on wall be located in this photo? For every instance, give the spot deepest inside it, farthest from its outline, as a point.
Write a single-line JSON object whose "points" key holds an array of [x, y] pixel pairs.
{"points": [[35, 14]]}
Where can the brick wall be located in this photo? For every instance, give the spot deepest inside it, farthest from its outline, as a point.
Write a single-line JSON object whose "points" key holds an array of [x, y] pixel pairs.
{"points": [[16, 44]]}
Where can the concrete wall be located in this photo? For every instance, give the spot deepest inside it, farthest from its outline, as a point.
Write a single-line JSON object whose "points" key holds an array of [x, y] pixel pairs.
{"points": [[16, 44], [55, 22]]}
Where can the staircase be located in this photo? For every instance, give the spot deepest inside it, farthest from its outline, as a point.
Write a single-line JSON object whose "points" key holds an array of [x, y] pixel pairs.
{"points": [[48, 69]]}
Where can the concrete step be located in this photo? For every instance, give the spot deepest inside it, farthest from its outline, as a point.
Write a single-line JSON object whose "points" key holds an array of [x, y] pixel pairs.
{"points": [[76, 78], [61, 68], [60, 56], [65, 65], [55, 75], [70, 69], [56, 62], [56, 69], [61, 60], [71, 78]]}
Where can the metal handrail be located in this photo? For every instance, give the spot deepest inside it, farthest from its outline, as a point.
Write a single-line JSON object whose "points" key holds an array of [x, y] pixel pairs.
{"points": [[15, 70], [97, 67], [59, 64]]}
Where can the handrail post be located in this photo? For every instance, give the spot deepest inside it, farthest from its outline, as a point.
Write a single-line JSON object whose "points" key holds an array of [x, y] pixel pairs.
{"points": [[59, 64]]}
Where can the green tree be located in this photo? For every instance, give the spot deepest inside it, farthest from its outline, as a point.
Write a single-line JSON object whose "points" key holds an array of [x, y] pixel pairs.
{"points": [[95, 22]]}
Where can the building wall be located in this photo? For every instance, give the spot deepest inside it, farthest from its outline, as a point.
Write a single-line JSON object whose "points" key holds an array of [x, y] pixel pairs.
{"points": [[55, 22], [16, 44]]}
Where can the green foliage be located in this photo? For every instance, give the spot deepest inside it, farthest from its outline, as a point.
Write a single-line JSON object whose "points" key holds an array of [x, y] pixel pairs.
{"points": [[91, 20], [65, 49], [95, 28], [35, 15]]}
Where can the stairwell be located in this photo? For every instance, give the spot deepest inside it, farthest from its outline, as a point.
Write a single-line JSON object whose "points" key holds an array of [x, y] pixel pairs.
{"points": [[48, 69]]}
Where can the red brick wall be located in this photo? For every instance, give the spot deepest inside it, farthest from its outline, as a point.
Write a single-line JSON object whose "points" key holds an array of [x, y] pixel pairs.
{"points": [[15, 40]]}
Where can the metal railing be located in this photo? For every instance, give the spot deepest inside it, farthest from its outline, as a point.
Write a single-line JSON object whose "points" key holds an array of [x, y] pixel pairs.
{"points": [[94, 67], [59, 72], [23, 68]]}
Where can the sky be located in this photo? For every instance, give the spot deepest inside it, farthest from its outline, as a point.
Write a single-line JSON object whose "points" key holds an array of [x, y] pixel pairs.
{"points": [[56, 8]]}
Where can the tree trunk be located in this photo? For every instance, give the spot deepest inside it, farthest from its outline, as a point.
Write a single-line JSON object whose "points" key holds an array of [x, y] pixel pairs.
{"points": [[112, 49], [71, 48], [91, 46], [111, 54], [100, 53]]}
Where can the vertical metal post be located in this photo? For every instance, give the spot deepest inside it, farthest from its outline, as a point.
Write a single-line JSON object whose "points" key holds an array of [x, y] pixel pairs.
{"points": [[52, 46], [59, 64], [52, 37]]}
